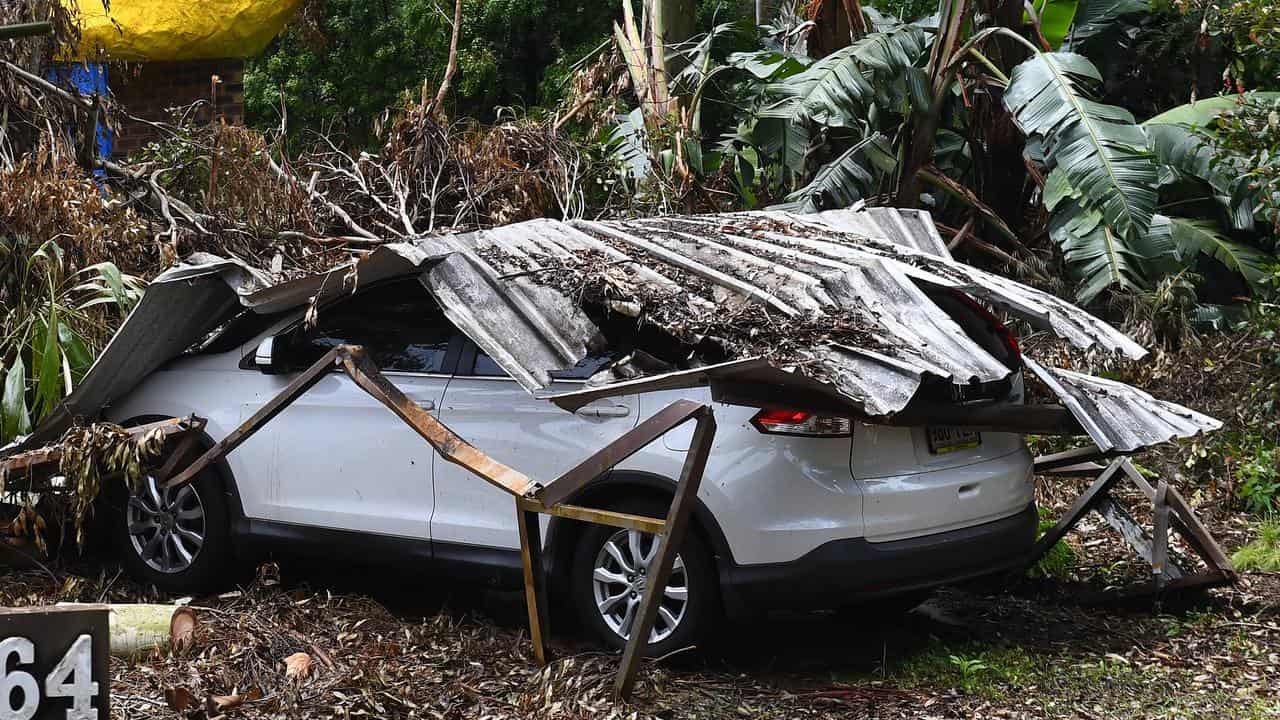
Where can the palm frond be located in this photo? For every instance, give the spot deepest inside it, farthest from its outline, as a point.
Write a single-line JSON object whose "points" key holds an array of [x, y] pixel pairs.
{"points": [[1095, 253], [840, 183], [1094, 17], [837, 90]]}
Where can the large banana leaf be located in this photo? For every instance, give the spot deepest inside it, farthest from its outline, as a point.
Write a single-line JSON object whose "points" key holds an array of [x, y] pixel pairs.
{"points": [[841, 182], [837, 90], [1093, 17], [1098, 157], [1055, 18], [1187, 153], [1097, 255], [1189, 238], [1203, 112]]}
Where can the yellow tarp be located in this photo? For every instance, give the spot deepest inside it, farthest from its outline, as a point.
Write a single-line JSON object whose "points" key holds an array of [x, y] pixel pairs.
{"points": [[180, 29]]}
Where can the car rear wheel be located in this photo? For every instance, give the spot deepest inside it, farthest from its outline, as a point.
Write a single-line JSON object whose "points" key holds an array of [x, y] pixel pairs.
{"points": [[176, 539], [610, 572]]}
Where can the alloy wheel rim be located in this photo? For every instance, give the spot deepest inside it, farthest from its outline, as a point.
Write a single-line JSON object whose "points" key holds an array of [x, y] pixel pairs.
{"points": [[166, 526], [619, 578]]}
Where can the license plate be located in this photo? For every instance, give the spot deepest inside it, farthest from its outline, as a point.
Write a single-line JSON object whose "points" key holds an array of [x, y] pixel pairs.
{"points": [[53, 663], [943, 440]]}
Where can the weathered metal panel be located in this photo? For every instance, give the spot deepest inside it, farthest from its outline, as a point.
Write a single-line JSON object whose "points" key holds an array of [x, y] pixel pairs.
{"points": [[1120, 417], [843, 291]]}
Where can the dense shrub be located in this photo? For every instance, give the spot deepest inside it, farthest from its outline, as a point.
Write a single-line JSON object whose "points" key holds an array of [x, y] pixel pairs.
{"points": [[342, 63]]}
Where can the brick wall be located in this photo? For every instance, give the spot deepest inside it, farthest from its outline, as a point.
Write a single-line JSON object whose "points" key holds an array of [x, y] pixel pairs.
{"points": [[149, 90]]}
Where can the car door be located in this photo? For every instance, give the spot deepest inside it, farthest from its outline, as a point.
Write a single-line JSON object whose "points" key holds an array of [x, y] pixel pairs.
{"points": [[491, 411], [337, 458]]}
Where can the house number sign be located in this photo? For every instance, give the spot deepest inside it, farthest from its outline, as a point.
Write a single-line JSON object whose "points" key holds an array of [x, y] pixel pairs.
{"points": [[53, 664]]}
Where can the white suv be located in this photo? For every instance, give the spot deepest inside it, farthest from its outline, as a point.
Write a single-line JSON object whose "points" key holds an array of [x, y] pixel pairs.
{"points": [[796, 510]]}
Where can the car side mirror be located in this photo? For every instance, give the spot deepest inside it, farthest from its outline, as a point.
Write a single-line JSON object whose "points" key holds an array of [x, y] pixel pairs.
{"points": [[267, 357]]}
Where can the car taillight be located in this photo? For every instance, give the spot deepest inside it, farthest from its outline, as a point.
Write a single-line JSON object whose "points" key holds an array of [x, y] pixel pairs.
{"points": [[799, 422], [1004, 333]]}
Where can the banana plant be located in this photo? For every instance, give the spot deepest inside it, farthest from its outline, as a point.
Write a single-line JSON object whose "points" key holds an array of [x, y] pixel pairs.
{"points": [[1101, 187], [52, 321]]}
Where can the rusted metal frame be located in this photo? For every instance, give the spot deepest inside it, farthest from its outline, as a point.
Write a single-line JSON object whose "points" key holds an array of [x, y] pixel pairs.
{"points": [[531, 498], [1160, 535], [695, 463], [564, 487], [1082, 505], [1206, 579], [535, 592], [1068, 458], [291, 392], [1169, 510], [189, 442], [355, 362], [611, 518]]}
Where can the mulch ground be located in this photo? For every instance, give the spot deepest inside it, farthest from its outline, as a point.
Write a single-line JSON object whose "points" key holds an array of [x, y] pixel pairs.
{"points": [[382, 646]]}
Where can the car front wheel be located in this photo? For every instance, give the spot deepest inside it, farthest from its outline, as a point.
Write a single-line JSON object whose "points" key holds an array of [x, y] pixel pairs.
{"points": [[610, 573], [176, 539]]}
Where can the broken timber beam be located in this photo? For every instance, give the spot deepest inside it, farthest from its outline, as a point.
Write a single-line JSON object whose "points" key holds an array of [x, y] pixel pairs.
{"points": [[47, 458], [1169, 512]]}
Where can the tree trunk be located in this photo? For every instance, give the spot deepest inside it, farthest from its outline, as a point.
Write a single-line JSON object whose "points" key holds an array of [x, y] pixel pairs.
{"points": [[452, 66]]}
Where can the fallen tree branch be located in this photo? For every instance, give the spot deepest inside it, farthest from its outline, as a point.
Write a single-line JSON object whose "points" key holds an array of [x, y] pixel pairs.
{"points": [[315, 195]]}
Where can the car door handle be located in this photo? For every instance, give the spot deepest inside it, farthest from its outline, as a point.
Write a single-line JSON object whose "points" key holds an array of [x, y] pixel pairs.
{"points": [[427, 405], [604, 411]]}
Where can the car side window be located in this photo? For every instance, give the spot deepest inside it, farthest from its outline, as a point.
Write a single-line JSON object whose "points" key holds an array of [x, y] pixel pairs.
{"points": [[398, 324], [484, 366]]}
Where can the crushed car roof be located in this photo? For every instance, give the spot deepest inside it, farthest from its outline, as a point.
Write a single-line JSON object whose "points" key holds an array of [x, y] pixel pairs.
{"points": [[835, 306]]}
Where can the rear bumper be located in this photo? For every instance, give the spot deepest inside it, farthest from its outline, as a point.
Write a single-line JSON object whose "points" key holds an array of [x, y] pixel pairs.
{"points": [[843, 571]]}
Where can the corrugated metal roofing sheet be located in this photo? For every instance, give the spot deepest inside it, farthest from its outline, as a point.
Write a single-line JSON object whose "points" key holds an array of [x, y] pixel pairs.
{"points": [[838, 298], [1120, 417], [855, 277]]}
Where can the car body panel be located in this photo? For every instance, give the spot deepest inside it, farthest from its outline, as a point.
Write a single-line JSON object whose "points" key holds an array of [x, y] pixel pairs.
{"points": [[541, 440], [340, 459], [337, 460]]}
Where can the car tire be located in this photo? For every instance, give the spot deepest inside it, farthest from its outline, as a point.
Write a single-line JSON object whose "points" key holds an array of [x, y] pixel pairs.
{"points": [[177, 540], [694, 572]]}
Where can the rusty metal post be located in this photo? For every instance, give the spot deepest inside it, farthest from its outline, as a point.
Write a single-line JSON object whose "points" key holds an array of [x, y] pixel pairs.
{"points": [[695, 463], [535, 591]]}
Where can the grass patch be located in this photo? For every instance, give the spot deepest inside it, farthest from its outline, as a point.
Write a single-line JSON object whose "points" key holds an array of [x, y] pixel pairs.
{"points": [[989, 672], [1060, 560], [1262, 554]]}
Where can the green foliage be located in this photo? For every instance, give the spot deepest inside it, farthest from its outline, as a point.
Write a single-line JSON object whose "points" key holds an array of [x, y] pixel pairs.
{"points": [[905, 10], [1189, 239], [1259, 477], [343, 63], [971, 671], [44, 350], [1056, 17], [1101, 188], [1250, 135], [1262, 554], [1253, 30], [1094, 18], [1060, 560]]}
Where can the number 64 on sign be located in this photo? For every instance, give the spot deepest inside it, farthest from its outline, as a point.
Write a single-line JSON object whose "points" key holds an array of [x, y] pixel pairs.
{"points": [[53, 664]]}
